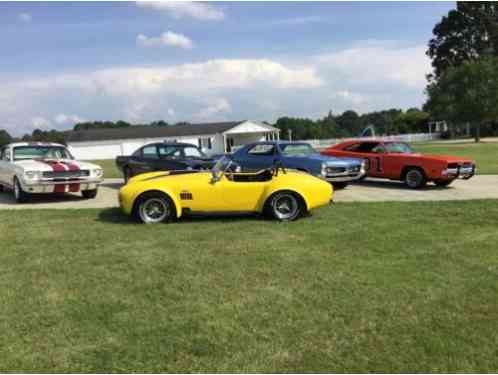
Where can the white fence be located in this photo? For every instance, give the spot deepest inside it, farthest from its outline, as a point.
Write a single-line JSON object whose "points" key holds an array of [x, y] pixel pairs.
{"points": [[417, 137]]}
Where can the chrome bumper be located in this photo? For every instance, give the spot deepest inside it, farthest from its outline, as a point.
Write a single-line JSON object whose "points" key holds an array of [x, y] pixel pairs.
{"points": [[460, 172], [343, 177], [47, 186]]}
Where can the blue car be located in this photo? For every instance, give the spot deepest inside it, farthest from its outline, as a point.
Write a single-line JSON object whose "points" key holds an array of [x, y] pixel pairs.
{"points": [[300, 156]]}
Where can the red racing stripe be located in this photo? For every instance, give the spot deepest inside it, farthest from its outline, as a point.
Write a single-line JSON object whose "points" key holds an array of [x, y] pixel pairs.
{"points": [[56, 167], [73, 188]]}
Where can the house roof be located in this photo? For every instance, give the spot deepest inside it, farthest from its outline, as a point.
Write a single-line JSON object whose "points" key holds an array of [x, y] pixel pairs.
{"points": [[134, 132]]}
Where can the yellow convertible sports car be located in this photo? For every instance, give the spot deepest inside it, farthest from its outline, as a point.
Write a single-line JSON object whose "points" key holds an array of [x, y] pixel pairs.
{"points": [[164, 196]]}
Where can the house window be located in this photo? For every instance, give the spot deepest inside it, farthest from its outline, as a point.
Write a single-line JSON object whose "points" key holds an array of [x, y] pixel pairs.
{"points": [[205, 143]]}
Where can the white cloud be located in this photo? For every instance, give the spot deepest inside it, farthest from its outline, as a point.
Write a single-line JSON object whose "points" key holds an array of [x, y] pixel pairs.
{"points": [[197, 10], [168, 38], [41, 123], [375, 62], [25, 17], [63, 119], [366, 76], [217, 107], [198, 77]]}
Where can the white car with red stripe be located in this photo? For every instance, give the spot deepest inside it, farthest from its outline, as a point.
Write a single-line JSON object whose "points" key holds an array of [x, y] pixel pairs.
{"points": [[37, 168]]}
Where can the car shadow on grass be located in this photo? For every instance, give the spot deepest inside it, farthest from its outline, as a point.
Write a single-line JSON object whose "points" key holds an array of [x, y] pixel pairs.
{"points": [[115, 216]]}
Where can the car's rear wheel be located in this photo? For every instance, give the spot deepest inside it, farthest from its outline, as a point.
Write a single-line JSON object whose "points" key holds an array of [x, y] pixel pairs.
{"points": [[153, 208], [443, 183], [285, 206], [340, 185], [89, 194], [415, 178], [19, 194]]}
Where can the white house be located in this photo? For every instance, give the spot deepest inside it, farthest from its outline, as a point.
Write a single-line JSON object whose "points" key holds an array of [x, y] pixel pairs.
{"points": [[214, 138]]}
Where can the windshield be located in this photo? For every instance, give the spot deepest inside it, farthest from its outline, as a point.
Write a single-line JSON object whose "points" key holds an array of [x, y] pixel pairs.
{"points": [[297, 149], [41, 152], [193, 152], [221, 166], [398, 148]]}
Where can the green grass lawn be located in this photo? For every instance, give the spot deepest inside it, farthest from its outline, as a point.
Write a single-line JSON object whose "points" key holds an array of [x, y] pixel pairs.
{"points": [[110, 168], [366, 287], [485, 154]]}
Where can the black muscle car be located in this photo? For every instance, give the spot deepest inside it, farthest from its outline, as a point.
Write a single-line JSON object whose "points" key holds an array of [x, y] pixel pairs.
{"points": [[163, 156]]}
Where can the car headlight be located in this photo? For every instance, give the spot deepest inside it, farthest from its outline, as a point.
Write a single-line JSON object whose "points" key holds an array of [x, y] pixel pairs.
{"points": [[32, 175], [98, 172], [324, 170]]}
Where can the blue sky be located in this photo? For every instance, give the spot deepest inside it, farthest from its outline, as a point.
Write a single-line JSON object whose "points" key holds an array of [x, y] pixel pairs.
{"points": [[67, 62]]}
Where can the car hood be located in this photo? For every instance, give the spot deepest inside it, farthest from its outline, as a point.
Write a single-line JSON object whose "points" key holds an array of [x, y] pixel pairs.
{"points": [[331, 160], [46, 165]]}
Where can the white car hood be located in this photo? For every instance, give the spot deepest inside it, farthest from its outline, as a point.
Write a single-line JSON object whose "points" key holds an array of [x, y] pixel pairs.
{"points": [[40, 165]]}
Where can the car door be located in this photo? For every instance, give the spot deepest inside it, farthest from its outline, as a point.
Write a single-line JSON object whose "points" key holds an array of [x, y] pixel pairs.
{"points": [[259, 156], [238, 196], [170, 158], [2, 165], [6, 167], [145, 160]]}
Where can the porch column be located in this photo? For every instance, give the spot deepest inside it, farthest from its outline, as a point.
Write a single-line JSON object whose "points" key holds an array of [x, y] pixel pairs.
{"points": [[224, 144]]}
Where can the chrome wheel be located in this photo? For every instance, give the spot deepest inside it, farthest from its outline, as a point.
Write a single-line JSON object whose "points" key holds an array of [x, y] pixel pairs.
{"points": [[154, 210], [285, 206], [414, 178]]}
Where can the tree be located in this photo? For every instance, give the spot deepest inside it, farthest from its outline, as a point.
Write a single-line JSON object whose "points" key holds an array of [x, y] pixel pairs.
{"points": [[466, 93], [465, 34], [5, 137]]}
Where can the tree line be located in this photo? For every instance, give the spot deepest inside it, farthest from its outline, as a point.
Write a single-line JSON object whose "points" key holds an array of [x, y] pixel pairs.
{"points": [[347, 124]]}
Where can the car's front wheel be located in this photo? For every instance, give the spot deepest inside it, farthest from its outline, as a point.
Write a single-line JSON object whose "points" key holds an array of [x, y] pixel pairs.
{"points": [[19, 194], [89, 194], [415, 178], [153, 208], [285, 206]]}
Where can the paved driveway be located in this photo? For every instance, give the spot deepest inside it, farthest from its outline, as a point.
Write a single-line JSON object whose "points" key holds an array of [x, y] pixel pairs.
{"points": [[370, 190]]}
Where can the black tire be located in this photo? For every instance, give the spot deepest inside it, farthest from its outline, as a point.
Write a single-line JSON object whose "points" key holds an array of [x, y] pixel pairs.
{"points": [[153, 208], [414, 178], [285, 206], [1, 189], [340, 185], [443, 183], [127, 175], [89, 194], [19, 194]]}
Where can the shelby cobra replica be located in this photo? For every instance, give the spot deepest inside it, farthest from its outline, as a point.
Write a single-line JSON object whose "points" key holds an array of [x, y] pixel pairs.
{"points": [[282, 194], [29, 168]]}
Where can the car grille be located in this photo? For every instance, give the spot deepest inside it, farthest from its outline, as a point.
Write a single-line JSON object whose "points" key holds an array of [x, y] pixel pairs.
{"points": [[336, 169], [66, 174], [355, 169]]}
